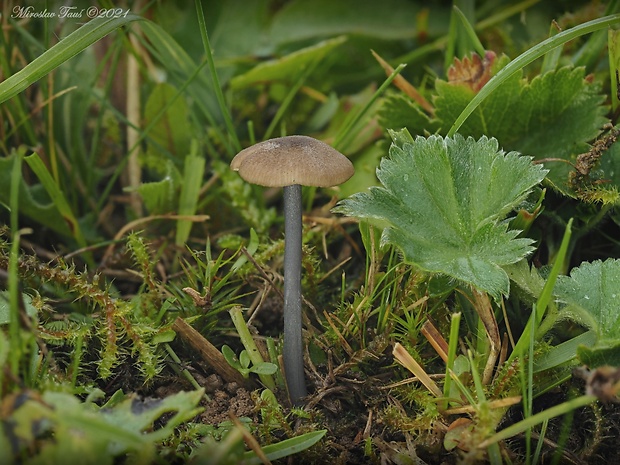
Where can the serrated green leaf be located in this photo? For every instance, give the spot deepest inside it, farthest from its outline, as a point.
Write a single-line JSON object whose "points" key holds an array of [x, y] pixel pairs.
{"points": [[123, 425], [552, 117], [158, 196], [592, 297], [135, 414], [400, 111], [443, 203], [527, 278]]}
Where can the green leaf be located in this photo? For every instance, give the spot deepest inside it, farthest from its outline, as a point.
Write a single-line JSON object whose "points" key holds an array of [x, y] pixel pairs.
{"points": [[443, 203], [164, 336], [264, 368], [250, 249], [599, 355], [563, 352], [5, 308], [591, 297], [124, 425], [244, 359], [285, 448], [551, 118], [390, 19], [230, 357], [133, 414], [288, 67], [190, 191], [56, 194], [33, 201], [172, 130], [400, 111], [528, 57], [161, 197], [158, 196]]}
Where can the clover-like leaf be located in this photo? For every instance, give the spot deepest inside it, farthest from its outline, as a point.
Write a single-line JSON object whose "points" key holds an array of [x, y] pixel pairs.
{"points": [[591, 295], [443, 204]]}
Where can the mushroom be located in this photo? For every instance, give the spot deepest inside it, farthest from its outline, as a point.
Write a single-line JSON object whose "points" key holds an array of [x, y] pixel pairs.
{"points": [[291, 162]]}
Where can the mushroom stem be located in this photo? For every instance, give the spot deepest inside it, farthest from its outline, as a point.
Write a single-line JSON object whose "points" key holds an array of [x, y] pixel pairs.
{"points": [[293, 344]]}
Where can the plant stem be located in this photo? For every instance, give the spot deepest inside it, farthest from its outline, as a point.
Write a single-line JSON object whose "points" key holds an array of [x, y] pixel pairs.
{"points": [[13, 282], [250, 346], [293, 344]]}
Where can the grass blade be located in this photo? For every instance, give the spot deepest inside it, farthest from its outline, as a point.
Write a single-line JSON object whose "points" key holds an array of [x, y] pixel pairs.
{"points": [[249, 344], [552, 412], [453, 342], [544, 298], [57, 196], [64, 50], [469, 30], [232, 134]]}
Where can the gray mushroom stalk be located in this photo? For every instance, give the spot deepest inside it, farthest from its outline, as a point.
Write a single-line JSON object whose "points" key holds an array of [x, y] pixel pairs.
{"points": [[291, 162]]}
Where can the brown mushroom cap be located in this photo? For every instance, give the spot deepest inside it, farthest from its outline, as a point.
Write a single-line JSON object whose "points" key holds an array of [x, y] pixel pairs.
{"points": [[289, 160]]}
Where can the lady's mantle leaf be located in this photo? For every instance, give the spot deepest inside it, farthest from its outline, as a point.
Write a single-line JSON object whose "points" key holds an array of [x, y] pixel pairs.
{"points": [[552, 117], [592, 297], [443, 201], [593, 291]]}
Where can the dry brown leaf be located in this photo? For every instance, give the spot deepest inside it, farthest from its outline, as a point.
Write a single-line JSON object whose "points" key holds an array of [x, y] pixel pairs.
{"points": [[472, 72]]}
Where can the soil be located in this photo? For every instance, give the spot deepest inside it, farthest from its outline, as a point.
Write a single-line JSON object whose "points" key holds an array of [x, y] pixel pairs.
{"points": [[352, 414]]}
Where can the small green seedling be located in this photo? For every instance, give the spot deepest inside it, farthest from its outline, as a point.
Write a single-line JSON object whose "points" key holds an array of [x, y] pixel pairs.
{"points": [[243, 363]]}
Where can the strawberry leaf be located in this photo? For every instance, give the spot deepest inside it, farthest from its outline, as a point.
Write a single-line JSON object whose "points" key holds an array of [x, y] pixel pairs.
{"points": [[443, 204]]}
